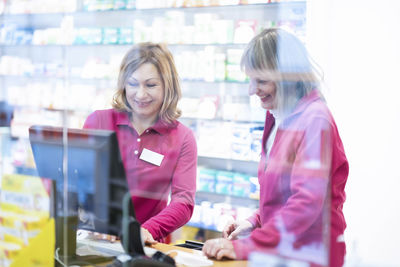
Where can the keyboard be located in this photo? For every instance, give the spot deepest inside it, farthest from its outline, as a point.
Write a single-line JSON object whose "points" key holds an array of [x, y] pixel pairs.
{"points": [[105, 248]]}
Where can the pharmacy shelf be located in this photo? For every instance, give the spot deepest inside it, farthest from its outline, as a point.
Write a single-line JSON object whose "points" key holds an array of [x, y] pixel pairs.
{"points": [[210, 8], [203, 226], [232, 165], [102, 79], [220, 119], [72, 57], [66, 46], [236, 201]]}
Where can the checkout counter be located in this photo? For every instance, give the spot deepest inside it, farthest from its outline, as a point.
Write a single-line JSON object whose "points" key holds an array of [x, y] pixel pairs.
{"points": [[181, 255]]}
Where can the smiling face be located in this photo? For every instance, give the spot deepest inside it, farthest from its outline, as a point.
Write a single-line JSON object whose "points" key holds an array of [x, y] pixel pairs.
{"points": [[145, 92], [262, 85]]}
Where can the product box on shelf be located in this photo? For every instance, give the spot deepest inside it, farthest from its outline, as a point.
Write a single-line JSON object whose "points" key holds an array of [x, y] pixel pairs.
{"points": [[212, 140], [88, 36], [12, 34], [233, 71], [244, 31], [241, 185], [206, 180], [208, 107], [255, 188], [223, 182], [125, 35], [110, 35], [97, 5]]}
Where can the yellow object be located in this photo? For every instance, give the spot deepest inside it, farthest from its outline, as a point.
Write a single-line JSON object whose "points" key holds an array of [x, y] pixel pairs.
{"points": [[8, 251], [25, 195], [27, 233], [40, 251], [19, 228]]}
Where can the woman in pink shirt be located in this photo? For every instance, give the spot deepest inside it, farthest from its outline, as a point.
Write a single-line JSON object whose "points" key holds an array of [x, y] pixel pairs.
{"points": [[159, 153], [303, 167]]}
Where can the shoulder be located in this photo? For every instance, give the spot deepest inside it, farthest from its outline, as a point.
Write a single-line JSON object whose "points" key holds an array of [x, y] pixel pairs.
{"points": [[312, 114], [106, 112], [182, 127], [314, 108], [181, 132], [102, 119]]}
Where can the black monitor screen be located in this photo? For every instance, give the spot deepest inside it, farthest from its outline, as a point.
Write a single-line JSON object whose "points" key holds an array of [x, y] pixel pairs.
{"points": [[96, 177]]}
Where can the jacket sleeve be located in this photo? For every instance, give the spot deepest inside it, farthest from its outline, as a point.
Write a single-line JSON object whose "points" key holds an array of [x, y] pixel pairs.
{"points": [[308, 181], [183, 188], [255, 218]]}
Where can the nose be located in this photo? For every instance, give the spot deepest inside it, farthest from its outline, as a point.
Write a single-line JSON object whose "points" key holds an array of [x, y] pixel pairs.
{"points": [[141, 92], [252, 87]]}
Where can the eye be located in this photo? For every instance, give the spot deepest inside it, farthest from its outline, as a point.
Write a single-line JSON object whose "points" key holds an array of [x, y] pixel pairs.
{"points": [[263, 82], [132, 84], [151, 85]]}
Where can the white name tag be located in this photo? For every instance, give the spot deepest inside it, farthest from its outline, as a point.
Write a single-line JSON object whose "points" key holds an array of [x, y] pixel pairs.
{"points": [[151, 157]]}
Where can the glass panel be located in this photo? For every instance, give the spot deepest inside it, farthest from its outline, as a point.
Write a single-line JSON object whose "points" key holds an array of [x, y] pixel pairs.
{"points": [[91, 116]]}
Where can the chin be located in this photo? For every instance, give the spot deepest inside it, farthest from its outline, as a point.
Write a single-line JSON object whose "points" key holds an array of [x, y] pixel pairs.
{"points": [[266, 106]]}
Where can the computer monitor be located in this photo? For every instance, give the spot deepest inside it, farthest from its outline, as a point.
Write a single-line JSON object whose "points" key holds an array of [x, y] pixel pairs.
{"points": [[91, 161], [96, 176]]}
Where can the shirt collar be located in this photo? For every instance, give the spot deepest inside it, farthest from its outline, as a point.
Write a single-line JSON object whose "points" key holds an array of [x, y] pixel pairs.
{"points": [[160, 126]]}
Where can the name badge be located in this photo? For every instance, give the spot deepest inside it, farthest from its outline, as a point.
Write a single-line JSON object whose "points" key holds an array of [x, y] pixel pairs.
{"points": [[151, 157]]}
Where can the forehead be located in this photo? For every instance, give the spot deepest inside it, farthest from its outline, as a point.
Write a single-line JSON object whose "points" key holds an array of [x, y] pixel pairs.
{"points": [[145, 71]]}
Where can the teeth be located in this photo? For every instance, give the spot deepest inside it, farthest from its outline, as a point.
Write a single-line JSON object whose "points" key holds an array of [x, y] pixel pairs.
{"points": [[143, 103]]}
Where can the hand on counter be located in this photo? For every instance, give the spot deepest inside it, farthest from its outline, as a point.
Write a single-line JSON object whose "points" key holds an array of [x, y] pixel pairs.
{"points": [[147, 237], [236, 228], [219, 248]]}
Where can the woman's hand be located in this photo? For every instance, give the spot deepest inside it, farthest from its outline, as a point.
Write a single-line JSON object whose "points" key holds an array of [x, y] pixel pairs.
{"points": [[233, 229], [219, 248], [147, 237]]}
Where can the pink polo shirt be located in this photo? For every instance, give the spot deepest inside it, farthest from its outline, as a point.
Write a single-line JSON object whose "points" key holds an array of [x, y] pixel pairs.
{"points": [[151, 185], [301, 188]]}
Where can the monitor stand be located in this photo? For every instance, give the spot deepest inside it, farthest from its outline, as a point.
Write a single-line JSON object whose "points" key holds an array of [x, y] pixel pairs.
{"points": [[66, 227], [131, 235]]}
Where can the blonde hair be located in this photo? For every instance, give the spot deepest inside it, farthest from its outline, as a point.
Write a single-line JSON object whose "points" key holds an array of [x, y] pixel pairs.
{"points": [[282, 53], [162, 59]]}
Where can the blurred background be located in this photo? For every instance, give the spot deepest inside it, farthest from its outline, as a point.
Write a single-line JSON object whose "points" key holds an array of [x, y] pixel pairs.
{"points": [[59, 61]]}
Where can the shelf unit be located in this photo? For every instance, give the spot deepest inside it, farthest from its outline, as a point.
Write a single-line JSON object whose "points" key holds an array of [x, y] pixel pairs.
{"points": [[64, 67]]}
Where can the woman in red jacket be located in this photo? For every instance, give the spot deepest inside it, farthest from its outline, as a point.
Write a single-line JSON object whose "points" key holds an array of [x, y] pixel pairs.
{"points": [[303, 167]]}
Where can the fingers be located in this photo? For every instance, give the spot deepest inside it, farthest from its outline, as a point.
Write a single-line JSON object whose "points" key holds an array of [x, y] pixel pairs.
{"points": [[208, 245], [219, 248], [242, 228], [230, 254], [228, 229], [149, 240], [147, 237], [234, 234]]}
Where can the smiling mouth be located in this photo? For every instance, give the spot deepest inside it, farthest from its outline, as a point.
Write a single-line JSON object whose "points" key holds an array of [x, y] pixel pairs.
{"points": [[143, 103], [266, 98]]}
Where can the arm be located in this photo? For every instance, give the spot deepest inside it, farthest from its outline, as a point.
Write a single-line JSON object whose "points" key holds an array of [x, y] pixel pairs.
{"points": [[183, 189], [309, 180], [255, 219]]}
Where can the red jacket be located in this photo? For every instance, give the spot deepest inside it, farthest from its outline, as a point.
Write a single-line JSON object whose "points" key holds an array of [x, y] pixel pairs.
{"points": [[301, 188]]}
